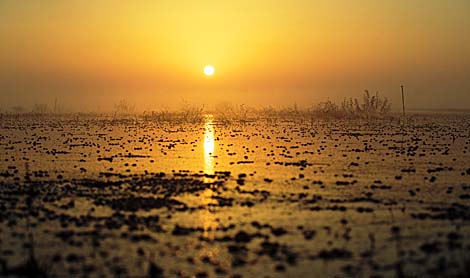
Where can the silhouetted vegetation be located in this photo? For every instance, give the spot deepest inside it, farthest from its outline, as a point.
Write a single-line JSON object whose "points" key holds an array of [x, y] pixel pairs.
{"points": [[227, 113], [371, 107], [368, 107], [123, 108], [188, 113]]}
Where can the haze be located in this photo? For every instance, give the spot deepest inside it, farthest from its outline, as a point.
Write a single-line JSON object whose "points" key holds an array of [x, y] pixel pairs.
{"points": [[90, 54]]}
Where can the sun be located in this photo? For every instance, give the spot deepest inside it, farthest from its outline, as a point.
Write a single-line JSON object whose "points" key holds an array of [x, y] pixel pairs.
{"points": [[209, 70]]}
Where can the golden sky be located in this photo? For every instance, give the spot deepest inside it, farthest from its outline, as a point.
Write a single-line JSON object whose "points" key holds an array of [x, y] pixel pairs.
{"points": [[92, 53]]}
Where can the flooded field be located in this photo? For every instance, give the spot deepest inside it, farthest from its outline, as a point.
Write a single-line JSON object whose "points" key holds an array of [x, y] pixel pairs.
{"points": [[92, 196]]}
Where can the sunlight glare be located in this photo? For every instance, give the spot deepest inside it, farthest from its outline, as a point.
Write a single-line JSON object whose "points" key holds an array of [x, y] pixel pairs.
{"points": [[209, 70], [209, 145]]}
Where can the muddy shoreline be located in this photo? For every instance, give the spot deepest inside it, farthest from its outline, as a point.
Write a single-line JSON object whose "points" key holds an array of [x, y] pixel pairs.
{"points": [[334, 198]]}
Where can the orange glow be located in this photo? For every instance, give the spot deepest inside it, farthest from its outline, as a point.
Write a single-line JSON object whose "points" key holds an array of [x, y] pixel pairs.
{"points": [[309, 49]]}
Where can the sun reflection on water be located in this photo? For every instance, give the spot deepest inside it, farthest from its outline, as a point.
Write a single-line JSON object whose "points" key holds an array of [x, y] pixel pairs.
{"points": [[207, 217], [209, 145]]}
